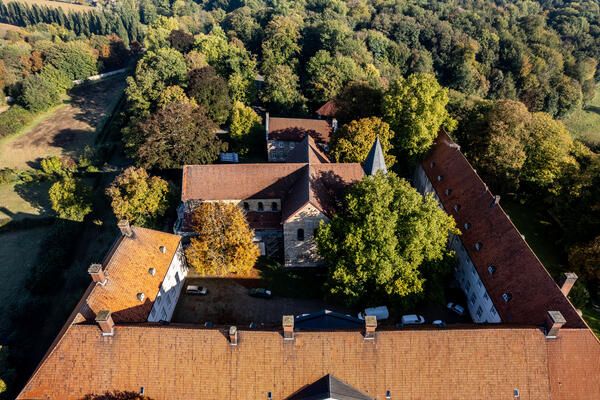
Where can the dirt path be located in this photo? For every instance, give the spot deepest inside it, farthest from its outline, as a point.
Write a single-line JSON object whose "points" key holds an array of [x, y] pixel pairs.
{"points": [[68, 130]]}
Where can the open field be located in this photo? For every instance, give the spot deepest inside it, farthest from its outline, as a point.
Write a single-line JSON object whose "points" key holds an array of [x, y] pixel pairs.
{"points": [[23, 200], [585, 124], [8, 27], [55, 4], [66, 131]]}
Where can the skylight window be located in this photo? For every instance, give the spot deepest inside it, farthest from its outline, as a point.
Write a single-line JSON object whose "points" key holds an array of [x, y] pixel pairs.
{"points": [[467, 226], [456, 207], [492, 269], [506, 297], [478, 246]]}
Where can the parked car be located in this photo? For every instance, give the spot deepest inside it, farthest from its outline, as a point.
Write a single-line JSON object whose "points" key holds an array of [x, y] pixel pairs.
{"points": [[260, 293], [412, 319], [458, 309], [196, 290], [380, 312], [439, 323]]}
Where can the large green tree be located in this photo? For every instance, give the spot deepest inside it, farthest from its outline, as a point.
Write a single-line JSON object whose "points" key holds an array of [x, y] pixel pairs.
{"points": [[386, 234], [138, 197], [70, 198], [178, 134], [415, 108]]}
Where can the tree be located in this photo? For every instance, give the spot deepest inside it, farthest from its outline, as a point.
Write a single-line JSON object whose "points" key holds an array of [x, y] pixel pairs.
{"points": [[139, 197], [155, 72], [158, 33], [70, 198], [584, 258], [181, 40], [358, 99], [210, 91], [548, 151], [243, 120], [282, 89], [175, 135], [224, 244], [39, 94], [353, 141], [55, 166], [386, 235], [76, 59], [415, 108], [173, 94]]}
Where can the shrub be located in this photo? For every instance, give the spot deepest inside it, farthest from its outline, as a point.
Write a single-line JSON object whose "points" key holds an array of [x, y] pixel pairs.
{"points": [[13, 120]]}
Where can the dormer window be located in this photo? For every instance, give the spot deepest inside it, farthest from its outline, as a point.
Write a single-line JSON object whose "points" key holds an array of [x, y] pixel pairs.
{"points": [[506, 297], [456, 207], [246, 206], [491, 269], [274, 206], [448, 192], [478, 246], [467, 227], [261, 206], [440, 177]]}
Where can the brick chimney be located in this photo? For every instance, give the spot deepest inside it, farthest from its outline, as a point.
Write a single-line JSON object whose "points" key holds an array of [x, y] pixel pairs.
{"points": [[97, 274], [105, 322], [370, 326], [554, 321], [288, 327], [125, 228], [233, 336], [569, 279]]}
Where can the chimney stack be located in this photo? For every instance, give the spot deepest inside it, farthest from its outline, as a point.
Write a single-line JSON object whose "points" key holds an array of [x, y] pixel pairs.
{"points": [[370, 326], [233, 336], [105, 322], [334, 124], [125, 228], [569, 279], [288, 327], [495, 201], [554, 321], [97, 274], [267, 126]]}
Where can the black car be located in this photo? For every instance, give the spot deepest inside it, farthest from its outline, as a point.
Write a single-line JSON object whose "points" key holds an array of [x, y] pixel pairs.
{"points": [[261, 293]]}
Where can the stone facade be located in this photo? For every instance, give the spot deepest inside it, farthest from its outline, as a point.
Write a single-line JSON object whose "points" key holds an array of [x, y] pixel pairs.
{"points": [[170, 289], [298, 233]]}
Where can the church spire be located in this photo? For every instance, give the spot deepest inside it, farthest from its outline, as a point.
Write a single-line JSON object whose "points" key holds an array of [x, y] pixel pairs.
{"points": [[375, 160]]}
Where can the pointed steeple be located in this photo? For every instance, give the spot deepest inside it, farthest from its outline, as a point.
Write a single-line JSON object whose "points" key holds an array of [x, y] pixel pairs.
{"points": [[375, 160]]}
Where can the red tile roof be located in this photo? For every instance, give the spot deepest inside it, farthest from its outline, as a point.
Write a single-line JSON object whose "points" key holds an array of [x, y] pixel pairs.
{"points": [[518, 270], [295, 129], [127, 268], [329, 109], [173, 362]]}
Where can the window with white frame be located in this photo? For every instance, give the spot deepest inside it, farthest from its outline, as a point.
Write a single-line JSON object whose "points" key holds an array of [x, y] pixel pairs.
{"points": [[473, 298], [479, 312]]}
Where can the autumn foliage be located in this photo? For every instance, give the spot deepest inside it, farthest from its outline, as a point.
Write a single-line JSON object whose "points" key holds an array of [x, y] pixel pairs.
{"points": [[224, 244]]}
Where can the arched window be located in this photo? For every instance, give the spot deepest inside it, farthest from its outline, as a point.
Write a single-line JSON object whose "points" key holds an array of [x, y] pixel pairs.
{"points": [[261, 207], [246, 206], [300, 234], [274, 206]]}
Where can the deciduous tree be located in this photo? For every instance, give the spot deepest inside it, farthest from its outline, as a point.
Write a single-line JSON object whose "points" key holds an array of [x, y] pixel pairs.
{"points": [[70, 198], [353, 141], [210, 91], [415, 108], [138, 197], [175, 135], [224, 244], [386, 234]]}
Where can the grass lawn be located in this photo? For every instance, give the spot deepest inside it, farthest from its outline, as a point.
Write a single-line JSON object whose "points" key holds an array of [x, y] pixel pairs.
{"points": [[18, 251], [585, 123], [540, 232], [592, 317], [23, 200]]}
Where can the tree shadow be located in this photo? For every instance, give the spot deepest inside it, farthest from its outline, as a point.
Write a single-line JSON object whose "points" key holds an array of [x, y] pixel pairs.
{"points": [[594, 109], [36, 194]]}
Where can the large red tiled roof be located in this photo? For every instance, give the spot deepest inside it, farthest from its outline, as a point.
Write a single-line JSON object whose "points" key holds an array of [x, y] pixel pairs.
{"points": [[517, 269], [295, 129], [329, 109], [127, 268], [172, 362]]}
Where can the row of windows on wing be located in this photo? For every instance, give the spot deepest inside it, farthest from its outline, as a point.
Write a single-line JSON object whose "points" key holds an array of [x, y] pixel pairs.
{"points": [[478, 246], [261, 207]]}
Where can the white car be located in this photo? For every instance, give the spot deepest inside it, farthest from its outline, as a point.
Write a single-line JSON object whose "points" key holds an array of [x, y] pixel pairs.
{"points": [[458, 309], [380, 312], [412, 319], [196, 290]]}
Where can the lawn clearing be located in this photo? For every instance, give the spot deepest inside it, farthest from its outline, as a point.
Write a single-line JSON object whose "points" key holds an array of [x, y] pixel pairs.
{"points": [[55, 4], [8, 28], [67, 130], [584, 124], [24, 200], [540, 232]]}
